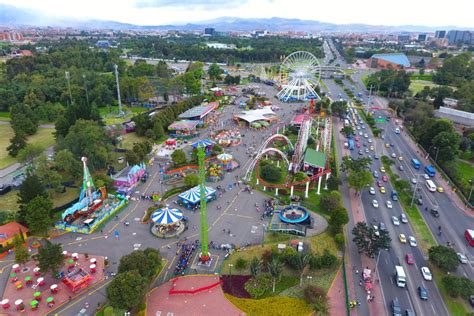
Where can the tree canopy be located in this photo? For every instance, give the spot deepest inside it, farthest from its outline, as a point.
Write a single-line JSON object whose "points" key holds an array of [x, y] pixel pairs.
{"points": [[368, 242], [50, 257], [444, 258]]}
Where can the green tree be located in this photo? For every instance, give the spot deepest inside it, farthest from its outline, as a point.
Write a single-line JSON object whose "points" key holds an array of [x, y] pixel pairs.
{"points": [[17, 143], [347, 131], [38, 216], [348, 164], [339, 108], [28, 154], [50, 257], [331, 201], [301, 261], [67, 164], [241, 264], [359, 179], [48, 175], [21, 251], [255, 265], [178, 157], [30, 188], [316, 297], [145, 262], [126, 290], [215, 72], [275, 268], [444, 258], [132, 157], [447, 145], [338, 219], [191, 180], [368, 242], [458, 286], [271, 173]]}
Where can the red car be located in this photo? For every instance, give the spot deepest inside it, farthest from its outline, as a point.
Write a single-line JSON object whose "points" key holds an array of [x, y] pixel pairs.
{"points": [[409, 258], [357, 138], [384, 178], [358, 145]]}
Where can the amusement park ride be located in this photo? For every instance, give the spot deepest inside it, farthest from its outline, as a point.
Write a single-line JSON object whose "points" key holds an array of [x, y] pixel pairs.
{"points": [[90, 199], [204, 257]]}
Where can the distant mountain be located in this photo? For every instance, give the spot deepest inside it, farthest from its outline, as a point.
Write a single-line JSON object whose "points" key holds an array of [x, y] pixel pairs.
{"points": [[12, 16]]}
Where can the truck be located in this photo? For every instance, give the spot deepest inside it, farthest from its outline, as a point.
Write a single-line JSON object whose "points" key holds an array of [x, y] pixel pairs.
{"points": [[400, 276]]}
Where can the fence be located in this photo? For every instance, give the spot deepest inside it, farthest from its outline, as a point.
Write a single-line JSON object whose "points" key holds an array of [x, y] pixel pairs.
{"points": [[344, 277]]}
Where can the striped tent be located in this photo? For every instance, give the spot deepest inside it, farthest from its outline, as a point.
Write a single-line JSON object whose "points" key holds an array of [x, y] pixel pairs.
{"points": [[225, 157], [166, 216], [192, 196], [203, 142]]}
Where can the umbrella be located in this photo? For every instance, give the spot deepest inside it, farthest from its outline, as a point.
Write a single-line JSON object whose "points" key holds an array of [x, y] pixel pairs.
{"points": [[166, 216], [204, 143], [34, 303], [256, 125], [28, 278], [225, 157], [49, 299], [263, 123], [13, 275], [37, 294], [70, 261]]}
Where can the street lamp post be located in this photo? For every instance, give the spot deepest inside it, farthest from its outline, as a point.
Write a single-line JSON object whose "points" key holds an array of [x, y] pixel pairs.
{"points": [[230, 268], [470, 192], [309, 278], [416, 186]]}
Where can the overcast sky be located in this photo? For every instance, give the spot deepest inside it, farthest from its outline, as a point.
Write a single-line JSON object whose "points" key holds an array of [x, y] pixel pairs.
{"points": [[157, 12]]}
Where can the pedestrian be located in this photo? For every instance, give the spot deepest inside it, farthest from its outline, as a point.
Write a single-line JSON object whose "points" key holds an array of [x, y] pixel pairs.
{"points": [[360, 282]]}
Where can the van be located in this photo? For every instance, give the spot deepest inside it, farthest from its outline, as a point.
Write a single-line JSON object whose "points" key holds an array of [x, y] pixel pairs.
{"points": [[431, 186], [397, 131]]}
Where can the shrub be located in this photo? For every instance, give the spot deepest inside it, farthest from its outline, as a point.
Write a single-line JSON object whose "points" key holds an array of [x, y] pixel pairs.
{"points": [[235, 285], [340, 240], [458, 286], [109, 311], [271, 173], [275, 306], [258, 286], [324, 261], [241, 264], [312, 292]]}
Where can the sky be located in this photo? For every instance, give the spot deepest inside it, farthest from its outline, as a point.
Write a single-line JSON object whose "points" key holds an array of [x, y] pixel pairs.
{"points": [[159, 12]]}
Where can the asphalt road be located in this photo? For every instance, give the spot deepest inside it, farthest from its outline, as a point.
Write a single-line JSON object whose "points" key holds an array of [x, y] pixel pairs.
{"points": [[408, 297]]}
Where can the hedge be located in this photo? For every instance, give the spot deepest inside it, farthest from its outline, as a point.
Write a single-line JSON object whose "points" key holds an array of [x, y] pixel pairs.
{"points": [[271, 306]]}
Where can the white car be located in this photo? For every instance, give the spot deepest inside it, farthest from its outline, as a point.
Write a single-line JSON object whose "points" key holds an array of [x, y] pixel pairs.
{"points": [[462, 258], [403, 218], [389, 204], [395, 221], [376, 230], [426, 273], [360, 134], [370, 140], [366, 135], [413, 180], [372, 191], [412, 241], [427, 177], [375, 203], [394, 155]]}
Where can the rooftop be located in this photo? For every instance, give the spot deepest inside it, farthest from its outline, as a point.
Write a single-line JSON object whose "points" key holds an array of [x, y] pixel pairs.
{"points": [[315, 158], [199, 111], [8, 230], [396, 58]]}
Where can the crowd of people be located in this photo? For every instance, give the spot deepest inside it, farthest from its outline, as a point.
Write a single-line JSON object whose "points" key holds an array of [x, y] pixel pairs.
{"points": [[187, 251]]}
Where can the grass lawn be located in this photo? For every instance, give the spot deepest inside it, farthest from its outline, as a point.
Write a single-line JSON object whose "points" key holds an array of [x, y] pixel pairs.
{"points": [[418, 85], [4, 116], [109, 114], [364, 77], [43, 137], [129, 139], [271, 306], [456, 306], [466, 170], [8, 201]]}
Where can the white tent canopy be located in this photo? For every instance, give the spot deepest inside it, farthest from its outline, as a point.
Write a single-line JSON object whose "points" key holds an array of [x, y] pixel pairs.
{"points": [[256, 115]]}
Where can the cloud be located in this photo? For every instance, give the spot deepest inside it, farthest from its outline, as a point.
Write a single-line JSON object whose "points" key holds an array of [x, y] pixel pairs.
{"points": [[193, 4]]}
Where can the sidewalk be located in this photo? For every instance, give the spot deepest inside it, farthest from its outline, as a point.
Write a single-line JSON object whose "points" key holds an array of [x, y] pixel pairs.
{"points": [[336, 296], [11, 168]]}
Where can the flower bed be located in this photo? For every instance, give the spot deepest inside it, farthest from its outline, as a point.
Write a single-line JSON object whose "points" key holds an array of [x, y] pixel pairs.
{"points": [[234, 285]]}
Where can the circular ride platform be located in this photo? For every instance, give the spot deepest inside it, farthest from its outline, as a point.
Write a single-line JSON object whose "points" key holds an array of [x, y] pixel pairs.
{"points": [[293, 214]]}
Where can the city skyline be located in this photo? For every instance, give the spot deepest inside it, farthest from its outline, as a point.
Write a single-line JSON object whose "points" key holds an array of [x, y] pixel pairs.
{"points": [[162, 12]]}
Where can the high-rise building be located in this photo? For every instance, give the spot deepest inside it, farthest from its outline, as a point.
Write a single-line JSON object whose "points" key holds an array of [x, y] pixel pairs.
{"points": [[422, 37], [459, 37], [440, 34], [403, 37], [209, 31]]}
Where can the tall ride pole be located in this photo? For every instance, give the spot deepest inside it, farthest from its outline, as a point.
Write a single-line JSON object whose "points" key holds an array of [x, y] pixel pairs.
{"points": [[204, 256], [118, 89]]}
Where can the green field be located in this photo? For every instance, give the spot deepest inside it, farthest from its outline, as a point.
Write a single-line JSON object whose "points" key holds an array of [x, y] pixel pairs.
{"points": [[418, 85], [44, 138], [129, 139], [466, 170], [4, 116]]}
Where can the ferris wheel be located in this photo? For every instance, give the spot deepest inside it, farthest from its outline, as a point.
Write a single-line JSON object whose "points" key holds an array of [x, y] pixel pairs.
{"points": [[300, 73]]}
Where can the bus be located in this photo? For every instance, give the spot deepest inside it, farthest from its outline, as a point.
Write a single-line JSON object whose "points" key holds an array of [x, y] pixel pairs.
{"points": [[430, 170], [469, 234], [415, 163], [431, 186], [351, 144]]}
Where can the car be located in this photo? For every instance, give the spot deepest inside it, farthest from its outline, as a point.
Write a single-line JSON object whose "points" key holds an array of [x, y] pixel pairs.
{"points": [[372, 148], [392, 145], [413, 180], [426, 273], [379, 183], [462, 258], [382, 169], [403, 218], [434, 212], [409, 258], [471, 300], [382, 189], [382, 226], [400, 158], [395, 220], [370, 140], [376, 156], [419, 201], [360, 133], [402, 238], [390, 205], [358, 145], [375, 174], [394, 155], [387, 145], [372, 191], [361, 152], [409, 312], [375, 203], [358, 127], [427, 177], [357, 138], [423, 292], [412, 241], [367, 150], [396, 308], [376, 230], [363, 126], [384, 178], [401, 168], [366, 135], [440, 189]]}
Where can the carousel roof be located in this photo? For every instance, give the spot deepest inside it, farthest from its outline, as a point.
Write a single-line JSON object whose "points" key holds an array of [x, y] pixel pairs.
{"points": [[193, 194], [203, 142], [225, 157], [166, 216]]}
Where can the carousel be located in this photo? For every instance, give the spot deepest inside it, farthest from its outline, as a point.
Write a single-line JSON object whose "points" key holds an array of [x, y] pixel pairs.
{"points": [[227, 162], [226, 138], [167, 223]]}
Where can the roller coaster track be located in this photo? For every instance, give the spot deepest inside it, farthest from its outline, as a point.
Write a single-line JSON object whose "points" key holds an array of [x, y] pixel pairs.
{"points": [[301, 144]]}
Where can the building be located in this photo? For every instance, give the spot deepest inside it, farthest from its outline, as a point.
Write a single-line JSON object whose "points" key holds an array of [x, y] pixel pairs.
{"points": [[422, 37], [394, 61], [440, 34], [403, 37], [9, 230], [459, 37], [456, 116], [209, 31]]}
